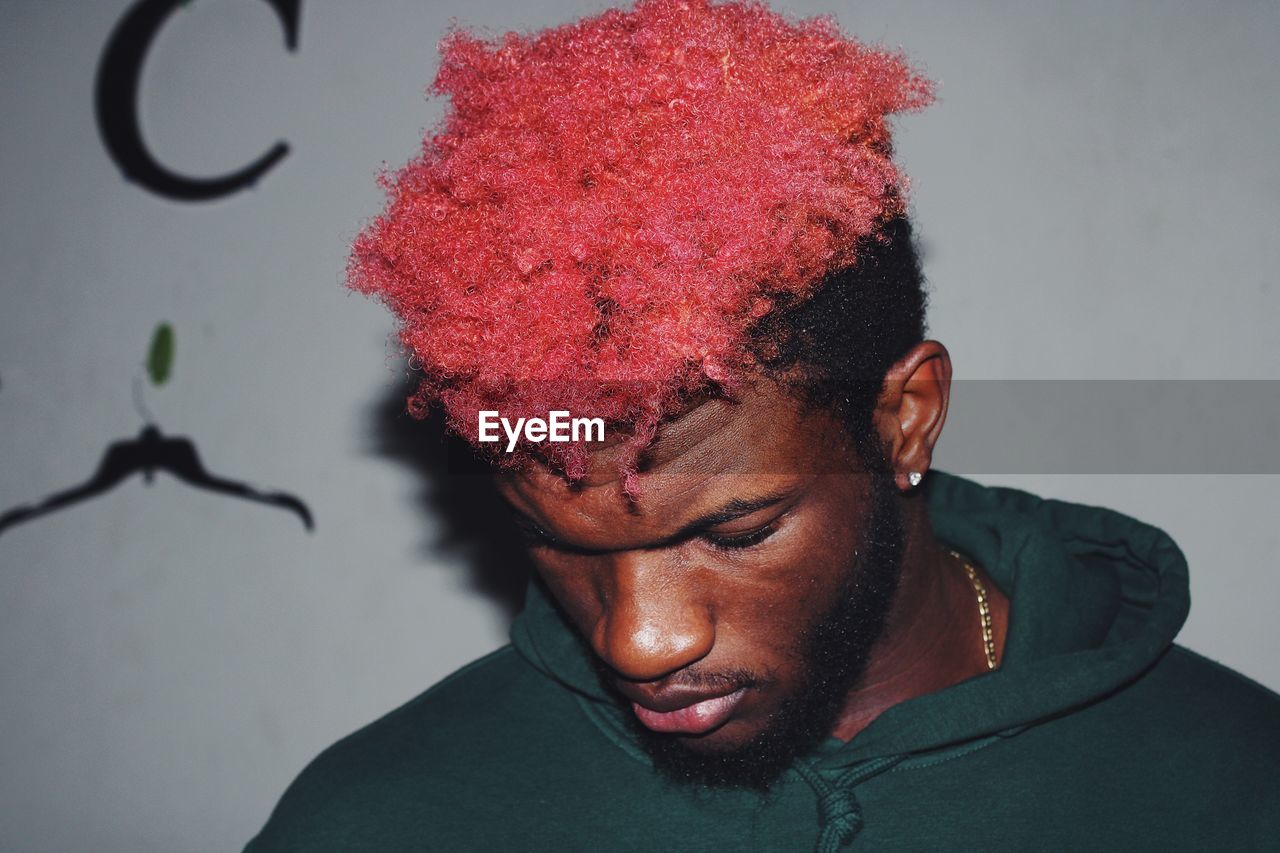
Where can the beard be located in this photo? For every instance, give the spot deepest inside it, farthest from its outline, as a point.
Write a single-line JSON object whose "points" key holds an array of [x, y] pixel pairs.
{"points": [[833, 655]]}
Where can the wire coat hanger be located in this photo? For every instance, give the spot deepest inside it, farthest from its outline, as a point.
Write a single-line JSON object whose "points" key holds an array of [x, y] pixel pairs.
{"points": [[150, 452]]}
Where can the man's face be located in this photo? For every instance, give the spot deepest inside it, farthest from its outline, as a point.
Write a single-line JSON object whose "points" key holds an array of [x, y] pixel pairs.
{"points": [[733, 601]]}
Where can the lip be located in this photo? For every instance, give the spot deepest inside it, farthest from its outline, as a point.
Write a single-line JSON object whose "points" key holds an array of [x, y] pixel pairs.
{"points": [[693, 719]]}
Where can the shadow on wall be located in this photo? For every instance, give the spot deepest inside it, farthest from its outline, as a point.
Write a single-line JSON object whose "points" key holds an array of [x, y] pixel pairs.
{"points": [[457, 489], [151, 452]]}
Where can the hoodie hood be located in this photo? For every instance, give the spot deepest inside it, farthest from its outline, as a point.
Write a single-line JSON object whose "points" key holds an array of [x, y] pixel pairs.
{"points": [[1095, 598]]}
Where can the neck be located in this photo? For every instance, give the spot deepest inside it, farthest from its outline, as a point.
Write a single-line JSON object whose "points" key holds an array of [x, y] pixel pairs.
{"points": [[932, 635]]}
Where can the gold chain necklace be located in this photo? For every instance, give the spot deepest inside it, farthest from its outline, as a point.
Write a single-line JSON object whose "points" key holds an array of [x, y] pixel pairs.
{"points": [[984, 610]]}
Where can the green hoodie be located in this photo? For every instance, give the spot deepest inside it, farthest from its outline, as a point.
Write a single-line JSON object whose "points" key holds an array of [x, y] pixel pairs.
{"points": [[1096, 733]]}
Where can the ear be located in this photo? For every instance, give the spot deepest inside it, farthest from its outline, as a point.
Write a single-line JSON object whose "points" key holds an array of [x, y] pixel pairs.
{"points": [[911, 409]]}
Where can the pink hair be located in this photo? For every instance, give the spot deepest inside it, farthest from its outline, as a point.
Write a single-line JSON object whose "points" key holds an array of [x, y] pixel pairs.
{"points": [[611, 204]]}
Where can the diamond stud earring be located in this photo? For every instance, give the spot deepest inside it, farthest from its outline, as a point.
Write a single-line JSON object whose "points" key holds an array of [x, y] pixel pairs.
{"points": [[914, 478]]}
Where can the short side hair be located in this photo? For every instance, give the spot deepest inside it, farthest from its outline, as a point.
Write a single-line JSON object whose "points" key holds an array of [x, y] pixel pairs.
{"points": [[836, 346]]}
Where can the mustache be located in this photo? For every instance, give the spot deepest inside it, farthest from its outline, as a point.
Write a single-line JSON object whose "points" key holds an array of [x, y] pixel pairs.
{"points": [[694, 678]]}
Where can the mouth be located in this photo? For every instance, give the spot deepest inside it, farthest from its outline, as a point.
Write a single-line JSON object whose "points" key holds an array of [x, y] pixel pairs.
{"points": [[696, 718]]}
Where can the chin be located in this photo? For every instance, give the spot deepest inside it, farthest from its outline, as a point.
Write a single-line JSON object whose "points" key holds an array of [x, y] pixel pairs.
{"points": [[729, 738], [752, 750], [736, 755]]}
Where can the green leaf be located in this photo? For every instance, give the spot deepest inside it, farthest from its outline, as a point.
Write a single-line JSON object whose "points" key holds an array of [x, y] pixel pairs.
{"points": [[160, 358]]}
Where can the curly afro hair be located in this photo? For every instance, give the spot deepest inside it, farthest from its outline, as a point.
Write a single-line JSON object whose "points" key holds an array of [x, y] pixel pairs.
{"points": [[613, 211]]}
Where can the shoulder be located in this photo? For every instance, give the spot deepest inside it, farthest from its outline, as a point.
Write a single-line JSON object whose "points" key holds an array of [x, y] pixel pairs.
{"points": [[476, 704], [1196, 737], [1210, 703], [1189, 712], [1189, 726], [1184, 757], [1208, 739], [425, 766]]}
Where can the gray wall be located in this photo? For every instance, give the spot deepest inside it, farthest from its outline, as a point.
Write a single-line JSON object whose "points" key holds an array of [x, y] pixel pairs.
{"points": [[1097, 190]]}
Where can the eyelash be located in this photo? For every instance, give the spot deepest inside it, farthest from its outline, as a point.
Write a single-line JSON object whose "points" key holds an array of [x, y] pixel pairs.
{"points": [[741, 541], [536, 537]]}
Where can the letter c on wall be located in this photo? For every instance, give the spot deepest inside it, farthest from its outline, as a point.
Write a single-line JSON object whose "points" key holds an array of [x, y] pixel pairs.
{"points": [[116, 104]]}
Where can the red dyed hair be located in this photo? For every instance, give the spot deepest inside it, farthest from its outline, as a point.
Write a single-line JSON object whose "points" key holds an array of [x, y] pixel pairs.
{"points": [[610, 205]]}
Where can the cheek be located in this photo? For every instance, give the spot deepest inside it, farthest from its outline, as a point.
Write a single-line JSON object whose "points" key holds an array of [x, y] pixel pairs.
{"points": [[771, 599], [572, 588]]}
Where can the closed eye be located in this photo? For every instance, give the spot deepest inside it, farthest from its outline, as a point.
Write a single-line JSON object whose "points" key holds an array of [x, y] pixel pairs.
{"points": [[740, 541], [531, 533], [535, 537]]}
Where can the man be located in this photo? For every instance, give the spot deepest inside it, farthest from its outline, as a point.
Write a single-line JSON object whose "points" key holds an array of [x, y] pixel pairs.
{"points": [[758, 623]]}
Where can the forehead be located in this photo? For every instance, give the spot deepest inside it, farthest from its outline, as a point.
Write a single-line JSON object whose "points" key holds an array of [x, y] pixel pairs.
{"points": [[762, 442]]}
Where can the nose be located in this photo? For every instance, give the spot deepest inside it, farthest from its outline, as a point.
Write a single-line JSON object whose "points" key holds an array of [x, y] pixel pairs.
{"points": [[653, 625]]}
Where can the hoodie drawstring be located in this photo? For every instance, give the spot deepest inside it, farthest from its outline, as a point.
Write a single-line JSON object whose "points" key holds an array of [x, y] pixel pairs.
{"points": [[839, 814]]}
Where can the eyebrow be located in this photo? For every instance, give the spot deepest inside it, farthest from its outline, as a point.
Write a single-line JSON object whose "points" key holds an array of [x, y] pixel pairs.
{"points": [[731, 511]]}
